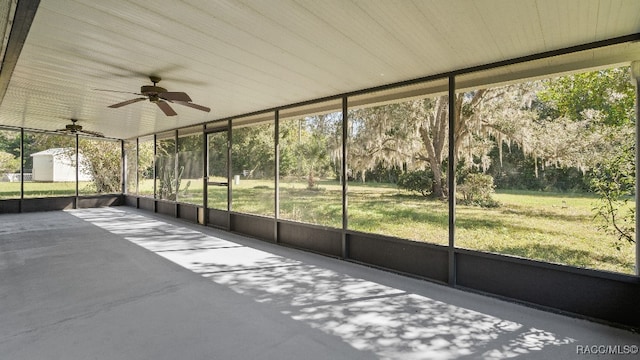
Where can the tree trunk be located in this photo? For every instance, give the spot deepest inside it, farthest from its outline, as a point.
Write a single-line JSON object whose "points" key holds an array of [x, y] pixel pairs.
{"points": [[433, 134], [438, 190]]}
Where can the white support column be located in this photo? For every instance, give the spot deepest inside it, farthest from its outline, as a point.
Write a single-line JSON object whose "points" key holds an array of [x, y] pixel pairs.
{"points": [[635, 75]]}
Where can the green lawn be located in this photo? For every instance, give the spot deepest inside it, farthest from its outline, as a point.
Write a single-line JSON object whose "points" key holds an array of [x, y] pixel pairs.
{"points": [[552, 227], [556, 227], [11, 190]]}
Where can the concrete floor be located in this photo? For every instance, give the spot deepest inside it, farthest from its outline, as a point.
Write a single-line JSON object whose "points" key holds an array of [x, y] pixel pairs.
{"points": [[118, 283]]}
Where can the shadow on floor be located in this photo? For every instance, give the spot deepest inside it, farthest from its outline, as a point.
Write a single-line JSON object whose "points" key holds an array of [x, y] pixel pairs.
{"points": [[388, 321]]}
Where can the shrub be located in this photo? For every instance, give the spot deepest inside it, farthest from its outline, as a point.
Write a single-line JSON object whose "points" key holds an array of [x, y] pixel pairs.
{"points": [[8, 163], [614, 181], [476, 189], [420, 181]]}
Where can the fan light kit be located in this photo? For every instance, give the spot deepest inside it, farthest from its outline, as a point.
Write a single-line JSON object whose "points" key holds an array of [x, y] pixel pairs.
{"points": [[160, 96]]}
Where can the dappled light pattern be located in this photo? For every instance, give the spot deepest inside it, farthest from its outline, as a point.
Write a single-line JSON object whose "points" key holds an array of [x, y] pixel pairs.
{"points": [[525, 343], [154, 235], [417, 327], [392, 323], [300, 285]]}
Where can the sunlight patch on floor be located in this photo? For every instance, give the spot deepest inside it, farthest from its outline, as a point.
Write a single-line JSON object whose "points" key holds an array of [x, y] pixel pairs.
{"points": [[369, 316]]}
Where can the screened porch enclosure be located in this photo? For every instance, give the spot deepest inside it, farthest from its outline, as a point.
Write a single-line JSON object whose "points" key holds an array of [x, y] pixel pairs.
{"points": [[513, 176]]}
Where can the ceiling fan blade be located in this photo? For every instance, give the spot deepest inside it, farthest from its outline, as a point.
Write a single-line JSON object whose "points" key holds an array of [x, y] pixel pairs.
{"points": [[117, 91], [174, 96], [127, 102], [192, 105], [164, 106], [92, 133], [182, 80]]}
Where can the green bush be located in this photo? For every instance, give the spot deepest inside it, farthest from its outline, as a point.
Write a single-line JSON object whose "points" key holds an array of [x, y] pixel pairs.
{"points": [[476, 190], [420, 181], [8, 163], [614, 182]]}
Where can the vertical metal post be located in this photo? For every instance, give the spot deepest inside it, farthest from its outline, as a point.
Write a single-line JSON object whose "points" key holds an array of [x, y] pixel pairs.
{"points": [[637, 81], [343, 178], [276, 139], [229, 175], [21, 170], [75, 205], [137, 173], [635, 75], [176, 169], [637, 177], [137, 166], [155, 173], [205, 176], [123, 163], [451, 179]]}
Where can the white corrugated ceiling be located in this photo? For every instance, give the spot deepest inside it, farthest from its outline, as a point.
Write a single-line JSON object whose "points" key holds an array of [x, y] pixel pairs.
{"points": [[243, 56]]}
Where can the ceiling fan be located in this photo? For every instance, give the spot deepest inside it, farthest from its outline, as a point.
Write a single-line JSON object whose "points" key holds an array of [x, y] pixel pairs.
{"points": [[160, 96], [74, 128]]}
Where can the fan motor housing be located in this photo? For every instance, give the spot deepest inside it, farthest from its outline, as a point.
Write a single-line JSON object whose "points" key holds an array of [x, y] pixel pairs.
{"points": [[152, 90]]}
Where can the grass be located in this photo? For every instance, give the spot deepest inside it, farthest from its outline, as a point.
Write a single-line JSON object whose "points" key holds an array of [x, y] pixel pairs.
{"points": [[556, 228], [11, 190], [553, 227]]}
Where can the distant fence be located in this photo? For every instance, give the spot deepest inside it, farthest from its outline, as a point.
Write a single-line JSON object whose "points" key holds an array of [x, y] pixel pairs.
{"points": [[15, 177]]}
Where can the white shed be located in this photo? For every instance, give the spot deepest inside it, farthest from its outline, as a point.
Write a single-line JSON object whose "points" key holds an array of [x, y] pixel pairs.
{"points": [[57, 165]]}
